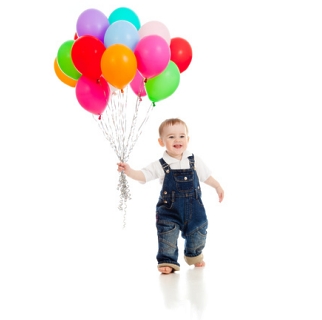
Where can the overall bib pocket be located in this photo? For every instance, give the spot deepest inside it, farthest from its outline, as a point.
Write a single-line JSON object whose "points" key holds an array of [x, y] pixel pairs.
{"points": [[184, 181]]}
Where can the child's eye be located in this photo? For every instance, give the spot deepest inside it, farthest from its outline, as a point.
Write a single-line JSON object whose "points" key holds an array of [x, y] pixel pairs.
{"points": [[182, 136], [170, 137]]}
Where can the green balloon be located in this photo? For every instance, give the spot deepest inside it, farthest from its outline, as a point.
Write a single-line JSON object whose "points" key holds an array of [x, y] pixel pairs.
{"points": [[164, 84], [65, 62]]}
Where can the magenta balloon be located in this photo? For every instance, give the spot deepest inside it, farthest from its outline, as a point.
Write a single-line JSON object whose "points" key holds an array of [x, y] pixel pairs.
{"points": [[92, 95], [92, 22], [153, 55], [137, 85]]}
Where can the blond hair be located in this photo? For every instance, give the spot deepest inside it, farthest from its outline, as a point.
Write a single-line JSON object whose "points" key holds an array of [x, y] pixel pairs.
{"points": [[171, 122]]}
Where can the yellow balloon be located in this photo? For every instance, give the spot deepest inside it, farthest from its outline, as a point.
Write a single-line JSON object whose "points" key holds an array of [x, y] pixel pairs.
{"points": [[118, 65], [62, 76]]}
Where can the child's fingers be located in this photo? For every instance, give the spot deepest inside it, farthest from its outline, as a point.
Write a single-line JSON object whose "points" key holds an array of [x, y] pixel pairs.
{"points": [[120, 166]]}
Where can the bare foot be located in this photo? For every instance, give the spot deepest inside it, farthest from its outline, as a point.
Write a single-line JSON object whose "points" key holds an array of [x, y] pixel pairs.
{"points": [[200, 264], [165, 270]]}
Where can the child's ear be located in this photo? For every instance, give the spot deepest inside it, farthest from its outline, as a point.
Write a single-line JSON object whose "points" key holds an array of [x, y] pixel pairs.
{"points": [[161, 142]]}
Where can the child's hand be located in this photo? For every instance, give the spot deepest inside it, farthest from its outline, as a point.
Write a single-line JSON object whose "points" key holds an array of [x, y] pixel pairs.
{"points": [[133, 174], [122, 166], [220, 193]]}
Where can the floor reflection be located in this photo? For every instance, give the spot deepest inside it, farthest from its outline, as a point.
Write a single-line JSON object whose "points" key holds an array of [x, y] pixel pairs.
{"points": [[185, 289]]}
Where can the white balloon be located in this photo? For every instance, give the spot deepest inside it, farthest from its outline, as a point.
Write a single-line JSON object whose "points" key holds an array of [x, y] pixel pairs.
{"points": [[155, 28]]}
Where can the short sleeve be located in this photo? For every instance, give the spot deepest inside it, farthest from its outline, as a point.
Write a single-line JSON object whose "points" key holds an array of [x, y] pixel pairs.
{"points": [[153, 171], [202, 169]]}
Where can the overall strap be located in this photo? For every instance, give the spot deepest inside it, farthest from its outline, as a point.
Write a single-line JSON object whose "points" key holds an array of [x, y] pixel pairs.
{"points": [[165, 166], [192, 162]]}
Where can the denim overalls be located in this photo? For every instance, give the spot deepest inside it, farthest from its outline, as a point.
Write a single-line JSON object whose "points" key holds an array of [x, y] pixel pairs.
{"points": [[180, 209]]}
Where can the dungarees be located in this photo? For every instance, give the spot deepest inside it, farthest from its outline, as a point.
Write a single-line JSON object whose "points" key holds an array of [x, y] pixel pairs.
{"points": [[180, 209]]}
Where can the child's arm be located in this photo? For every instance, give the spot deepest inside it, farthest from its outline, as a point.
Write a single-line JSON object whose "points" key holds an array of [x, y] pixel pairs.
{"points": [[215, 184], [134, 174]]}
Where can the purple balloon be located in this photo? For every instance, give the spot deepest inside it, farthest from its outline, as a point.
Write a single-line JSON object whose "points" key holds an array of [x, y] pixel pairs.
{"points": [[92, 22]]}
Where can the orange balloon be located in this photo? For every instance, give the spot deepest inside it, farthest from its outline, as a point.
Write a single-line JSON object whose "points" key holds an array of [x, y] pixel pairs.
{"points": [[118, 65], [62, 76]]}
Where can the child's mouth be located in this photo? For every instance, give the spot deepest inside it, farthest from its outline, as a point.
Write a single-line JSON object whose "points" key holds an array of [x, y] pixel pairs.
{"points": [[177, 146]]}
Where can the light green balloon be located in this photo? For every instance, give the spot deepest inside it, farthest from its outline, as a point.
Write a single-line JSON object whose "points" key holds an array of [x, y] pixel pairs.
{"points": [[65, 61], [164, 84]]}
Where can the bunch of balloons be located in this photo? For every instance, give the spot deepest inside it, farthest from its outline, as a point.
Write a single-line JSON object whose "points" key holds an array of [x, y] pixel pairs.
{"points": [[111, 52]]}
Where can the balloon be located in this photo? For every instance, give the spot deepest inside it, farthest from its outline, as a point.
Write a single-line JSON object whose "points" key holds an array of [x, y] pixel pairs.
{"points": [[62, 76], [65, 61], [127, 14], [92, 95], [92, 22], [122, 32], [152, 55], [118, 65], [155, 27], [86, 54], [181, 53], [137, 85], [163, 85]]}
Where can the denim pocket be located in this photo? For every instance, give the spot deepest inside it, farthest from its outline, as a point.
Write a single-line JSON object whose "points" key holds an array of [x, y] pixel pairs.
{"points": [[166, 201], [184, 181]]}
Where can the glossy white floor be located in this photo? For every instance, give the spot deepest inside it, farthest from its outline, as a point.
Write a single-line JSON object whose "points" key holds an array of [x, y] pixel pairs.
{"points": [[83, 266]]}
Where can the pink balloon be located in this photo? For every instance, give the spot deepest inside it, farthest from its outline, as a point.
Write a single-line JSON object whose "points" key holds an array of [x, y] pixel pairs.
{"points": [[92, 95], [152, 55], [157, 28], [137, 85]]}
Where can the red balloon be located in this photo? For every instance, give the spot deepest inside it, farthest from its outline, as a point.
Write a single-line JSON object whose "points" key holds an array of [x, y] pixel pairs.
{"points": [[181, 53], [86, 54]]}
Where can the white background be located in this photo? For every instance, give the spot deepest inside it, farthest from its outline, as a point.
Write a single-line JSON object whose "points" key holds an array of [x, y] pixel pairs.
{"points": [[252, 100]]}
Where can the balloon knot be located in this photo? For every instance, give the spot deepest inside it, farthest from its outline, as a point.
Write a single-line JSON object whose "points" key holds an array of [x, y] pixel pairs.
{"points": [[100, 117], [145, 80], [122, 91], [153, 103]]}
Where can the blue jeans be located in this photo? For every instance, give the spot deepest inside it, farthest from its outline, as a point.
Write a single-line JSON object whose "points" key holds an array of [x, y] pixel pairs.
{"points": [[180, 209]]}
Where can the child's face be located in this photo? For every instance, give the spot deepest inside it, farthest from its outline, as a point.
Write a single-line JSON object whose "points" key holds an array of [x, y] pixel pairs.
{"points": [[175, 139]]}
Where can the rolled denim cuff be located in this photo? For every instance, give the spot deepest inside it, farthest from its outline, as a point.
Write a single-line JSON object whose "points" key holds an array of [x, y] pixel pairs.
{"points": [[173, 266], [193, 260]]}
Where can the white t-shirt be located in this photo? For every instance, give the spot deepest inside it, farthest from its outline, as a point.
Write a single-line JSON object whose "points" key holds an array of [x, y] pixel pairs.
{"points": [[155, 170]]}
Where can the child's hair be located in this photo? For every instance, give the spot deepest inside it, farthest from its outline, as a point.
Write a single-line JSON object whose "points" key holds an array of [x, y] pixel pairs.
{"points": [[171, 122]]}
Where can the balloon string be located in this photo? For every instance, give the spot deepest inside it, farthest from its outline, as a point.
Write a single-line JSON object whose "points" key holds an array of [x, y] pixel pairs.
{"points": [[122, 138], [125, 195]]}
